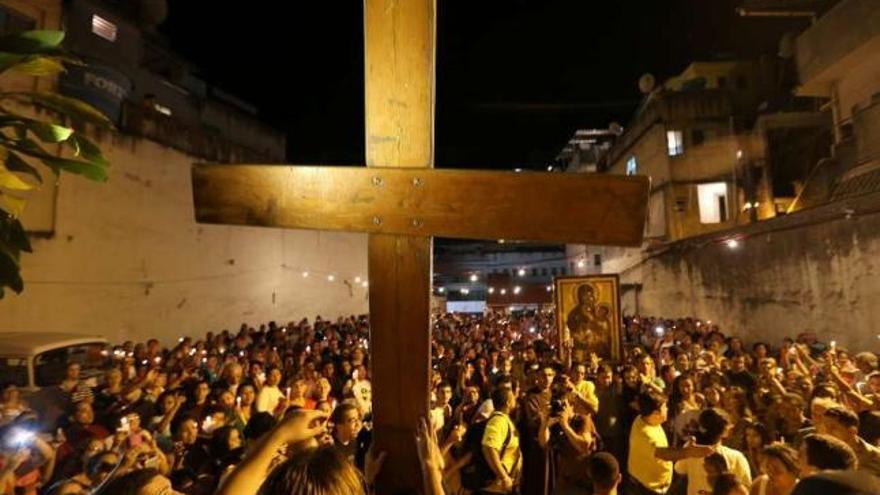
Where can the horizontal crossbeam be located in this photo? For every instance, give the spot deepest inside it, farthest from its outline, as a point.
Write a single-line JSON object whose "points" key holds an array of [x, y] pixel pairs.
{"points": [[551, 207]]}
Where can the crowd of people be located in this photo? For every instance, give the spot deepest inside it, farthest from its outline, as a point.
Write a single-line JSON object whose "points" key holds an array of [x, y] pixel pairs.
{"points": [[287, 409]]}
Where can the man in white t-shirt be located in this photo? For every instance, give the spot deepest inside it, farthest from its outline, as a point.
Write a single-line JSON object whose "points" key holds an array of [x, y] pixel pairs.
{"points": [[714, 427], [270, 395], [441, 412]]}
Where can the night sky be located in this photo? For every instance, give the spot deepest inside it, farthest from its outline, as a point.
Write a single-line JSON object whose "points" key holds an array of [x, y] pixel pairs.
{"points": [[515, 78]]}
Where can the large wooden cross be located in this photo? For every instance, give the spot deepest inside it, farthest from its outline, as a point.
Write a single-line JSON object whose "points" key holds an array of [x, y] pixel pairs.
{"points": [[402, 202]]}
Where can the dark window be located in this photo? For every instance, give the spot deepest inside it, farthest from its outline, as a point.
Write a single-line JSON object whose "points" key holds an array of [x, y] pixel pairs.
{"points": [[553, 271], [50, 366], [562, 270], [722, 82], [742, 82], [698, 136], [543, 272], [507, 271], [597, 259], [534, 272], [14, 371], [12, 21], [722, 207]]}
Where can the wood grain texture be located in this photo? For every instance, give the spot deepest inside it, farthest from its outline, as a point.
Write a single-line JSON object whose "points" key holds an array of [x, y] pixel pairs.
{"points": [[399, 40], [400, 304], [552, 207]]}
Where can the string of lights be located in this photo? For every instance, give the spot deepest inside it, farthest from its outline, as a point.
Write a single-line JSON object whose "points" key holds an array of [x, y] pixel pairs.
{"points": [[304, 272]]}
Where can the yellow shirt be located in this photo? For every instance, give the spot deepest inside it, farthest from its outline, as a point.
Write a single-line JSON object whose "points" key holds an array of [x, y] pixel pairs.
{"points": [[587, 391], [496, 432], [647, 469]]}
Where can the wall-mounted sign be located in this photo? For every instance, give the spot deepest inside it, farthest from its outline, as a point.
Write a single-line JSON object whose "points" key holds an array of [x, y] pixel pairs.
{"points": [[102, 87]]}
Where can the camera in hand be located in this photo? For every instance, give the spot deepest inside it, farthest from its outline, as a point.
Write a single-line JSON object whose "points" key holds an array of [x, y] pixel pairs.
{"points": [[558, 397]]}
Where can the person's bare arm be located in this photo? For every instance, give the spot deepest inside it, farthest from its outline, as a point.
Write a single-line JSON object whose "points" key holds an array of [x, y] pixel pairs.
{"points": [[777, 385], [456, 466], [248, 476], [494, 461], [431, 458], [48, 453], [169, 416], [581, 442], [804, 355], [544, 430], [162, 463], [859, 401], [676, 454], [583, 404], [455, 436]]}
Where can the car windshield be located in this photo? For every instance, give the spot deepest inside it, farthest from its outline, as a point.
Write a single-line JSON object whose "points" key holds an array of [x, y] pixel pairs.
{"points": [[51, 366], [14, 370]]}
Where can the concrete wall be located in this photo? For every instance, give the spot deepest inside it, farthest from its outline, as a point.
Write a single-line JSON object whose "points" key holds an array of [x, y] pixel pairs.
{"points": [[126, 259], [816, 269]]}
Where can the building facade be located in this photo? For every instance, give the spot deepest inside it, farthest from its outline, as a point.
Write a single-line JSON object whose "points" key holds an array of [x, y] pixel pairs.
{"points": [[838, 60], [125, 258]]}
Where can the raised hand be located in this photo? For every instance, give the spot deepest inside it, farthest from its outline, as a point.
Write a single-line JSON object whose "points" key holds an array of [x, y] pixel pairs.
{"points": [[373, 465], [427, 447], [303, 425]]}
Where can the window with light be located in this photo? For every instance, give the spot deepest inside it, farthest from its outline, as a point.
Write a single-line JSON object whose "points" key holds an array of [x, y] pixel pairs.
{"points": [[674, 143], [632, 167], [712, 201], [103, 28]]}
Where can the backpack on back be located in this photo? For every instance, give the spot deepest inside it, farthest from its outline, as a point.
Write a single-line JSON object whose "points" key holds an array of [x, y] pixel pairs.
{"points": [[477, 474]]}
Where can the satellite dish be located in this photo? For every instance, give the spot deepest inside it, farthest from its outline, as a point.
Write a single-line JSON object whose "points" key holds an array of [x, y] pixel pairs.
{"points": [[786, 46], [615, 128], [647, 83]]}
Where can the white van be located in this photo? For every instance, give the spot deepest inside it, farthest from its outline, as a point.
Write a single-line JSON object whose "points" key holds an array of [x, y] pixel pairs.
{"points": [[35, 360]]}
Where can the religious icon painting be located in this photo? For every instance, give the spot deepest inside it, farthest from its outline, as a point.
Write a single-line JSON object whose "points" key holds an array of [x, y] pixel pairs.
{"points": [[588, 317]]}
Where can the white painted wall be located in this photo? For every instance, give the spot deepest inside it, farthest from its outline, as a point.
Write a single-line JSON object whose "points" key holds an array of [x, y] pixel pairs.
{"points": [[127, 259]]}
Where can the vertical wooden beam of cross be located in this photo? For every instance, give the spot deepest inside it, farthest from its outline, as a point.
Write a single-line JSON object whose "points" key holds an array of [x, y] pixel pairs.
{"points": [[401, 202], [399, 126]]}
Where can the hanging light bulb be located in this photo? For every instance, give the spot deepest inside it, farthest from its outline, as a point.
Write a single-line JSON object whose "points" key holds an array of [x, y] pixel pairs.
{"points": [[365, 284], [465, 291], [521, 272], [331, 278], [473, 277], [581, 263], [491, 290], [357, 280], [305, 274], [517, 289], [503, 291]]}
